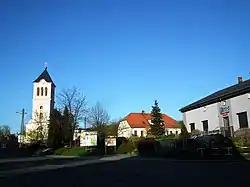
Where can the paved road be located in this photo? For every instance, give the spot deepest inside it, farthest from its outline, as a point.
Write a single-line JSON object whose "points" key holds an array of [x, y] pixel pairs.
{"points": [[26, 164], [138, 172]]}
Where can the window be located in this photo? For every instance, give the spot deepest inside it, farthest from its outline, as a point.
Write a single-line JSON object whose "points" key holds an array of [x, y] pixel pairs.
{"points": [[171, 132], [46, 91], [243, 121], [192, 126], [176, 132], [205, 125], [141, 133], [41, 115], [41, 107], [41, 91], [135, 132], [37, 91]]}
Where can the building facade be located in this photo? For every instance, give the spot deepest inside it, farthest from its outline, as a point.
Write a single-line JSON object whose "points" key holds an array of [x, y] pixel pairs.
{"points": [[138, 124], [42, 105], [225, 111]]}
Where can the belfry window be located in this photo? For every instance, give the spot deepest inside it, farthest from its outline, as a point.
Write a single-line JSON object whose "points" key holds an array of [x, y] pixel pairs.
{"points": [[46, 91], [37, 91], [41, 91]]}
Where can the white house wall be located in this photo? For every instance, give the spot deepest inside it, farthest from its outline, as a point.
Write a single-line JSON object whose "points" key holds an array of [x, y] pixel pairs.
{"points": [[173, 130], [124, 130], [139, 131], [210, 113], [237, 104]]}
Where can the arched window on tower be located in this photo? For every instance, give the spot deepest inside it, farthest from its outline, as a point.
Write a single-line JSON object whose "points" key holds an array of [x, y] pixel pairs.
{"points": [[37, 91], [46, 91], [42, 91]]}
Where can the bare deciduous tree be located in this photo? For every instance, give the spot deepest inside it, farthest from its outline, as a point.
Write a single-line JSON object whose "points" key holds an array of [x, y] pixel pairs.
{"points": [[39, 129], [75, 101], [98, 115]]}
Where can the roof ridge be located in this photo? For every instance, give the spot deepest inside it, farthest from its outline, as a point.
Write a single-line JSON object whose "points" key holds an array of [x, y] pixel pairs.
{"points": [[223, 94]]}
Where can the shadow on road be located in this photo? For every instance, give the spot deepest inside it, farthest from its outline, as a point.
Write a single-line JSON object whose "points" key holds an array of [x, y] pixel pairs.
{"points": [[138, 171]]}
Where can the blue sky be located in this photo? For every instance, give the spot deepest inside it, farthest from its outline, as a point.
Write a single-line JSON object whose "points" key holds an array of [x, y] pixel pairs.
{"points": [[124, 54]]}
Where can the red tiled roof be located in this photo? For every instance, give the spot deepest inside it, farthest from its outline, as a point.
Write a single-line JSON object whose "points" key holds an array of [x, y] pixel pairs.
{"points": [[140, 120]]}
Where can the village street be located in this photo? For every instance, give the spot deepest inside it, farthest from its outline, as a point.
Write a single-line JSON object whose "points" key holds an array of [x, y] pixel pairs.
{"points": [[137, 172]]}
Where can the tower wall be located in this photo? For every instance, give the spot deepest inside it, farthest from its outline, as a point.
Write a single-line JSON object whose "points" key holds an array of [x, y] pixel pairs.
{"points": [[42, 106], [42, 103]]}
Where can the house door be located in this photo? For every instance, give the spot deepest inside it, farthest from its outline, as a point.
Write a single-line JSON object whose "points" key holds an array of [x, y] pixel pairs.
{"points": [[227, 131]]}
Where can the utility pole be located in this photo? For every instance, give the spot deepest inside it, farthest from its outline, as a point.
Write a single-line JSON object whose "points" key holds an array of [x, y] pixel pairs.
{"points": [[22, 131]]}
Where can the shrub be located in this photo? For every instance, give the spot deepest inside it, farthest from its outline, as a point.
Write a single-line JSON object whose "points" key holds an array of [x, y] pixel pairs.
{"points": [[119, 141], [134, 141], [242, 138], [147, 147], [125, 147], [150, 136], [195, 132], [74, 151]]}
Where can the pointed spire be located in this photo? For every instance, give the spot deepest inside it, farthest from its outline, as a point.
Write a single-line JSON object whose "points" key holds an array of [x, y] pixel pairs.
{"points": [[45, 75]]}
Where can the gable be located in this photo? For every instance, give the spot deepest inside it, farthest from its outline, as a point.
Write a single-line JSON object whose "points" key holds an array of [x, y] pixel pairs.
{"points": [[44, 76]]}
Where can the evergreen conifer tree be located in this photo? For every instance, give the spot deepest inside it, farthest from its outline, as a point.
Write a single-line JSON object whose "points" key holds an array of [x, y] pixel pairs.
{"points": [[157, 126]]}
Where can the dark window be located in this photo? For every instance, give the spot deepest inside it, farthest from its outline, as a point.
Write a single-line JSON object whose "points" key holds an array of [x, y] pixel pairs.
{"points": [[41, 91], [37, 91], [192, 126], [166, 132], [171, 132], [205, 125], [176, 132], [243, 121], [135, 132], [141, 133], [46, 91], [41, 116], [41, 107]]}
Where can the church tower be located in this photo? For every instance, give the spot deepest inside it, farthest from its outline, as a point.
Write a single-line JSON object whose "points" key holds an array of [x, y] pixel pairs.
{"points": [[43, 96], [42, 106]]}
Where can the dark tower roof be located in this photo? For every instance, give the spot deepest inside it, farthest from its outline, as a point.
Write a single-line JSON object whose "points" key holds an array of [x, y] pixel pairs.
{"points": [[45, 75]]}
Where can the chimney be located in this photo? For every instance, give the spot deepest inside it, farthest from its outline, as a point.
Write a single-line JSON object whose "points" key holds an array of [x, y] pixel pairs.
{"points": [[240, 80], [142, 111]]}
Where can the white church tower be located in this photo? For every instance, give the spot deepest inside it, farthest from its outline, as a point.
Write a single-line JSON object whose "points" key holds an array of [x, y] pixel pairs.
{"points": [[42, 104]]}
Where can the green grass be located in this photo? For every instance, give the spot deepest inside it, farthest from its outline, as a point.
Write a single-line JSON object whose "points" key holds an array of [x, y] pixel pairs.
{"points": [[74, 151]]}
